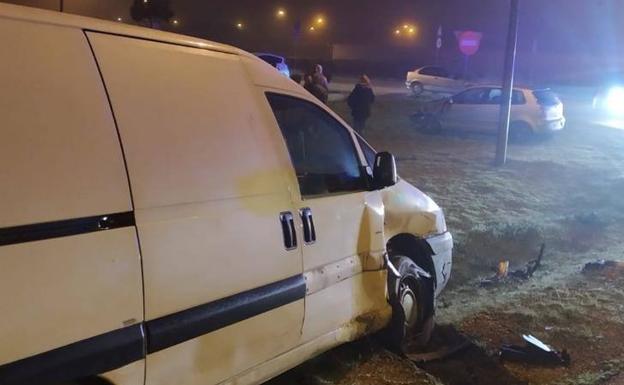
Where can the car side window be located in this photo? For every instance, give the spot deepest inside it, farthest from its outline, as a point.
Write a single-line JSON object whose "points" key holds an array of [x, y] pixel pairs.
{"points": [[321, 149], [369, 155], [518, 97], [441, 72], [429, 71], [471, 96], [494, 96], [368, 151]]}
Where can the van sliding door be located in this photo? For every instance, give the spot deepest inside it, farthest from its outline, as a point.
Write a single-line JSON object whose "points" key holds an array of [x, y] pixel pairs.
{"points": [[223, 278]]}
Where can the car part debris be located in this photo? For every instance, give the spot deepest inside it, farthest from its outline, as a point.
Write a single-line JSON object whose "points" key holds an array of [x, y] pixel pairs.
{"points": [[503, 274], [445, 341], [503, 269], [601, 264], [535, 352], [438, 354]]}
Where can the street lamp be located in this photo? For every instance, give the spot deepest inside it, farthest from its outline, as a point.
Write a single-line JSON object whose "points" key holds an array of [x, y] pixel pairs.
{"points": [[281, 13], [320, 20], [175, 21], [240, 25], [406, 31]]}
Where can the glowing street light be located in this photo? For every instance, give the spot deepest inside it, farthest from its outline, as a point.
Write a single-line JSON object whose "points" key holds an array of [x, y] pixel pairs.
{"points": [[281, 13], [175, 22], [406, 31], [312, 29], [240, 25], [320, 20]]}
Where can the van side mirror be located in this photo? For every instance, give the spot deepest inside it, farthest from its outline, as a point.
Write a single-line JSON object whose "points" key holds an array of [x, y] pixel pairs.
{"points": [[384, 170]]}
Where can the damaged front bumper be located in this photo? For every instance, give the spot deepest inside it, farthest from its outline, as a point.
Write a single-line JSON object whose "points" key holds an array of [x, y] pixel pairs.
{"points": [[442, 247]]}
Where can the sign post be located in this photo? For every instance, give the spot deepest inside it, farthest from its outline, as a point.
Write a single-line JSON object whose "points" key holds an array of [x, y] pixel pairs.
{"points": [[508, 80], [438, 45]]}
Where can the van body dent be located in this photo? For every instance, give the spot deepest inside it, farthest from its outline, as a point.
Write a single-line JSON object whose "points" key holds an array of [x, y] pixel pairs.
{"points": [[175, 211]]}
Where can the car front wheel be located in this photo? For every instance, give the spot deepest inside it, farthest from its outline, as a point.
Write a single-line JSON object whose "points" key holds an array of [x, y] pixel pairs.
{"points": [[417, 88]]}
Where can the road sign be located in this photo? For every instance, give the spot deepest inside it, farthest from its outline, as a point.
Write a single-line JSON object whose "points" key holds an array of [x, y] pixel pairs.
{"points": [[469, 41]]}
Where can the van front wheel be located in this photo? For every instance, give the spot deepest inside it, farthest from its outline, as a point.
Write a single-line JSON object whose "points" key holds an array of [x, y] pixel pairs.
{"points": [[411, 298]]}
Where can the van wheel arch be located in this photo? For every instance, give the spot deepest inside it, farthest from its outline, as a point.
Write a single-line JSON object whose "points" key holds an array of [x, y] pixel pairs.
{"points": [[416, 249]]}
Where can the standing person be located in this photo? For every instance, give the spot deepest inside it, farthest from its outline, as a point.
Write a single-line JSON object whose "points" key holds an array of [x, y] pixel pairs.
{"points": [[321, 83], [360, 101]]}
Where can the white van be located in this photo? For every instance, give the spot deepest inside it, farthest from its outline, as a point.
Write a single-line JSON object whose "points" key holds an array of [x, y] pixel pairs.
{"points": [[175, 211]]}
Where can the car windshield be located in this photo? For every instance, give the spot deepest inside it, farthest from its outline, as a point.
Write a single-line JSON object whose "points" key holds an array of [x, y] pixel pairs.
{"points": [[546, 97]]}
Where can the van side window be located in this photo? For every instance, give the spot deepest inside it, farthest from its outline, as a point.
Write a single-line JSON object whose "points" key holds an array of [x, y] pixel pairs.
{"points": [[321, 149]]}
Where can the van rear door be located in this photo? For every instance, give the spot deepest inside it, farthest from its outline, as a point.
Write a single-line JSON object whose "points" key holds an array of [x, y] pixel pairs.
{"points": [[71, 301]]}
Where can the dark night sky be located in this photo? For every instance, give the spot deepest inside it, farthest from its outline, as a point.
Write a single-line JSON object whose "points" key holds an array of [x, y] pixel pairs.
{"points": [[559, 25]]}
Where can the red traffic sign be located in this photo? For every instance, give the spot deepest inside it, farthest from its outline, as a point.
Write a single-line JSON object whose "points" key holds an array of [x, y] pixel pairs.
{"points": [[469, 41]]}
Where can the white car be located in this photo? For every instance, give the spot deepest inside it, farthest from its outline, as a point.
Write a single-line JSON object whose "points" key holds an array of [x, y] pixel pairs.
{"points": [[477, 109], [433, 79]]}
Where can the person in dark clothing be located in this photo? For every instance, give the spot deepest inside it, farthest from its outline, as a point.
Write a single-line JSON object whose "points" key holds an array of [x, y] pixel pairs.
{"points": [[360, 101]]}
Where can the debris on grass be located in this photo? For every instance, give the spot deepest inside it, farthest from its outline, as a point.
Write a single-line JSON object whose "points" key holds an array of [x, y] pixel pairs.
{"points": [[603, 266], [503, 274], [446, 341], [534, 352]]}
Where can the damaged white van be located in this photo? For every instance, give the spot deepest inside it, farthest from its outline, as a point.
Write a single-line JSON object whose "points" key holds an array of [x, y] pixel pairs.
{"points": [[175, 211]]}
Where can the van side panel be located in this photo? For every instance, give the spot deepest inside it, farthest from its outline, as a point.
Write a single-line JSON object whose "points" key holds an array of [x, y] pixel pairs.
{"points": [[222, 293], [64, 278]]}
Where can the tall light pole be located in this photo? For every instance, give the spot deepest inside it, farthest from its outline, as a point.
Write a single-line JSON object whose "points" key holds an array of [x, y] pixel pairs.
{"points": [[508, 80]]}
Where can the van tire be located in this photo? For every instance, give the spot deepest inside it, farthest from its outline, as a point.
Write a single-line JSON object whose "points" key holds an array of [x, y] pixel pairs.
{"points": [[411, 299]]}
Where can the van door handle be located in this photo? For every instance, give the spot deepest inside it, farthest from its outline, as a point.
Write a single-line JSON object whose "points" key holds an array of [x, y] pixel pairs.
{"points": [[309, 233], [288, 230]]}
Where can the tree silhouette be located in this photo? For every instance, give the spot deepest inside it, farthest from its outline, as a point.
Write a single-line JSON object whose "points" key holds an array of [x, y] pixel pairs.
{"points": [[151, 13]]}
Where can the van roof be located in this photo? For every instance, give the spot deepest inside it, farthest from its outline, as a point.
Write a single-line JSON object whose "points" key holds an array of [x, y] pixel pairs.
{"points": [[18, 12]]}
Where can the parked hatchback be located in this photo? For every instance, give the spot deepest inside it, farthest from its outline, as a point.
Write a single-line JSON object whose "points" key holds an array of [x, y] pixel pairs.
{"points": [[433, 79], [478, 108], [175, 211]]}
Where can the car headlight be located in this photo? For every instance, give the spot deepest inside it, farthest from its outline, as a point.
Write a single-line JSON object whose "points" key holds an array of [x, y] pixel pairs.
{"points": [[614, 101]]}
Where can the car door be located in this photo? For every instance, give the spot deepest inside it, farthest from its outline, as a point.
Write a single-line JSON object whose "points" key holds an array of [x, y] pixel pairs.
{"points": [[445, 82], [334, 206], [463, 111], [489, 111], [430, 79], [223, 284]]}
